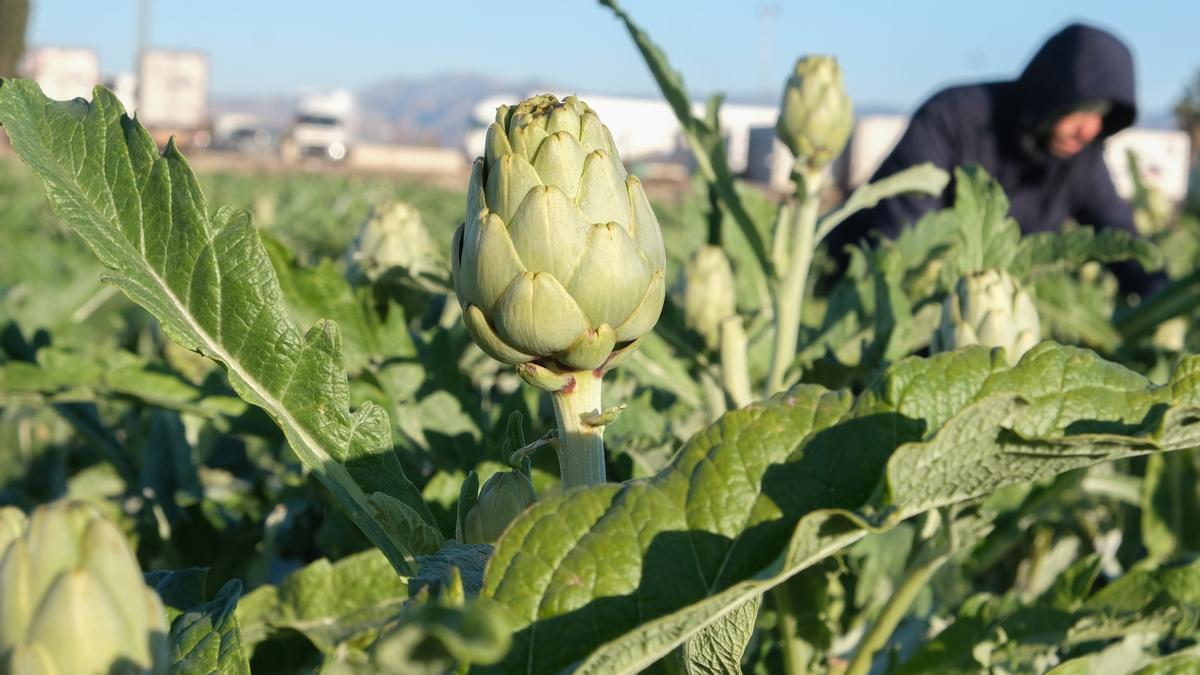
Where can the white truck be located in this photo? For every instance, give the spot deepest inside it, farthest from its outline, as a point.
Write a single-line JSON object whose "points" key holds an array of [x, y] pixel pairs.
{"points": [[323, 128]]}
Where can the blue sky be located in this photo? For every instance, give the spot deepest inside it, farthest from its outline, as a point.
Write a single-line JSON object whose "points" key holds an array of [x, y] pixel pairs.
{"points": [[893, 53]]}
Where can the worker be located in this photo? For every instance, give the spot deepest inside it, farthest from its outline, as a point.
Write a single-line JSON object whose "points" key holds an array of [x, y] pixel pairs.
{"points": [[1039, 136]]}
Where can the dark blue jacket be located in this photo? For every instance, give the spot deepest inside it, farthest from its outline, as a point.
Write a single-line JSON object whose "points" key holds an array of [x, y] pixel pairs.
{"points": [[1002, 125]]}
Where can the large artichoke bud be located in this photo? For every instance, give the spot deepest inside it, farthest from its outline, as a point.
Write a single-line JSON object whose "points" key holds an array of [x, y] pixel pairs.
{"points": [[503, 497], [392, 236], [708, 293], [560, 259], [989, 308], [72, 599], [816, 114]]}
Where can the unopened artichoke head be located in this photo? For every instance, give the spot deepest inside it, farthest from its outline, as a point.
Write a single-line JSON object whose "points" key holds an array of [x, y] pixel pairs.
{"points": [[989, 308], [503, 497], [72, 599], [392, 236], [560, 260], [708, 293], [816, 115]]}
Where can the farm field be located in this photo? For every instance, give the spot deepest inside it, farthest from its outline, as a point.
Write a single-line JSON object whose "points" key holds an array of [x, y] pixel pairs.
{"points": [[548, 420]]}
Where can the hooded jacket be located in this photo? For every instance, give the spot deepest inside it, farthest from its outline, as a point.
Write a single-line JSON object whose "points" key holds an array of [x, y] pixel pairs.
{"points": [[1002, 127]]}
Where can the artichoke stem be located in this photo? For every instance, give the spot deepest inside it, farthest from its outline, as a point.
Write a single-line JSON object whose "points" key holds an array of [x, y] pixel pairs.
{"points": [[789, 296], [580, 445], [735, 371]]}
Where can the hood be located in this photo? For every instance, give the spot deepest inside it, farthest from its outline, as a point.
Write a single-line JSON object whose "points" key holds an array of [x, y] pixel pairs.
{"points": [[1080, 63]]}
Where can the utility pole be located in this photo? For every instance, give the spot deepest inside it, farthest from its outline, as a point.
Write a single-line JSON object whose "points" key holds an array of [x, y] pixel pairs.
{"points": [[768, 12]]}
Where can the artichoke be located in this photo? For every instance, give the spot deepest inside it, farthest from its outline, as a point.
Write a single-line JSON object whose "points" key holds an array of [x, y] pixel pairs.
{"points": [[73, 600], [708, 293], [393, 236], [816, 114], [503, 497], [989, 308], [560, 259]]}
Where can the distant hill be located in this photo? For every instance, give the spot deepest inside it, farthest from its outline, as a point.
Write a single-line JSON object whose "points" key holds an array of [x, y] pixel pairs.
{"points": [[435, 110]]}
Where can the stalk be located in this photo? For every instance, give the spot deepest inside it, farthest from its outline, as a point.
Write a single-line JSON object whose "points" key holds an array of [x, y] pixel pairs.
{"points": [[794, 661], [580, 444], [789, 297], [735, 371], [714, 395], [893, 612]]}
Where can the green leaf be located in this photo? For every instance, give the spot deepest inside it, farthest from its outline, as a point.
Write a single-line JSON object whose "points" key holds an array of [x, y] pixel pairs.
{"points": [[436, 569], [205, 639], [1170, 502], [330, 603], [397, 517], [208, 280], [922, 179], [613, 577], [1075, 310], [717, 649], [988, 237], [180, 590], [321, 292], [430, 638], [1044, 252]]}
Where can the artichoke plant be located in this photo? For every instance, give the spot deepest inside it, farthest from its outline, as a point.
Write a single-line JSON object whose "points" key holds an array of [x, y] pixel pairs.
{"points": [[816, 114], [990, 308], [503, 497], [559, 265], [72, 598]]}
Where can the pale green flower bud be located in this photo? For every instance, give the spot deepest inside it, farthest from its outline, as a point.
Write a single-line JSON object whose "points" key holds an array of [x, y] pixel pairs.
{"points": [[503, 497], [816, 114], [708, 294], [560, 259], [74, 601], [393, 236], [989, 308]]}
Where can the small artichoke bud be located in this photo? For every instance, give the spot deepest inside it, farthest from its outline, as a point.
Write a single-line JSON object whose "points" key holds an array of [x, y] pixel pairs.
{"points": [[393, 236], [503, 497], [816, 114], [1152, 212], [560, 259], [989, 308], [70, 579], [708, 293]]}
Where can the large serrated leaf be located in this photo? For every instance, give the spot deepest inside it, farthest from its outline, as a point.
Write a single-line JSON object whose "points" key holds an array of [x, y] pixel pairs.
{"points": [[610, 578], [209, 282], [330, 603]]}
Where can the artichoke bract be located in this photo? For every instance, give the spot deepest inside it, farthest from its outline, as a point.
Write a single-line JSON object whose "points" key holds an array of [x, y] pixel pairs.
{"points": [[709, 293], [989, 308], [503, 497], [72, 599], [816, 115], [560, 259]]}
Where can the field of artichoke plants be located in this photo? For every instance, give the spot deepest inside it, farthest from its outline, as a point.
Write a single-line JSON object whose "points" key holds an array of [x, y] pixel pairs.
{"points": [[304, 424]]}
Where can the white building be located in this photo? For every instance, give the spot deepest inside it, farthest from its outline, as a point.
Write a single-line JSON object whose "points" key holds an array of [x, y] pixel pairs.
{"points": [[63, 73]]}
